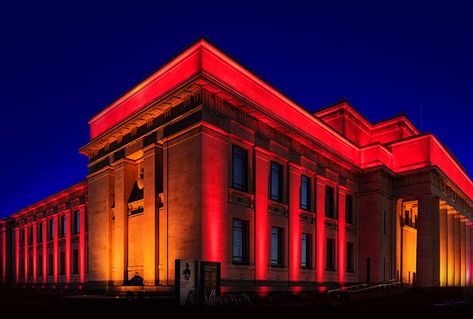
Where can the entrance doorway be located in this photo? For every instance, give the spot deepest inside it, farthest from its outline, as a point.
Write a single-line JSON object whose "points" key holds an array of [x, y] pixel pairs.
{"points": [[407, 241]]}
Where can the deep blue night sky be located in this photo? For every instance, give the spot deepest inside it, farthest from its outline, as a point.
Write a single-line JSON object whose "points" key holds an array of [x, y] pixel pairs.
{"points": [[61, 63]]}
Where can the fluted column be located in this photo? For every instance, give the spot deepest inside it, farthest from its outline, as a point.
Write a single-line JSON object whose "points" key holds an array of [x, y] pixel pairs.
{"points": [[25, 253], [457, 250], [261, 216], [294, 223], [451, 247], [443, 247], [68, 246], [35, 253], [82, 244], [463, 251], [56, 248], [428, 242], [342, 238], [468, 252], [17, 255]]}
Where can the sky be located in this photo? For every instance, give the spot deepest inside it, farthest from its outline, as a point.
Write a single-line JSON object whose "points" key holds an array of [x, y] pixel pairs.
{"points": [[63, 62]]}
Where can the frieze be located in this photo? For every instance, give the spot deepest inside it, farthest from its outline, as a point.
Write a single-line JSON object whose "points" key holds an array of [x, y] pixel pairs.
{"points": [[451, 195]]}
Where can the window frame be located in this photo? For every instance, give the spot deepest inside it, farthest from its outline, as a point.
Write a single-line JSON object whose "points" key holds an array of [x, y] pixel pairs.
{"points": [[245, 230], [279, 263], [280, 181], [333, 252], [308, 251], [244, 168], [308, 183]]}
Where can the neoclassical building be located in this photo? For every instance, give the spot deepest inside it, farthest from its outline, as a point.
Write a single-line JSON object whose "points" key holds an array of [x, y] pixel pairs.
{"points": [[205, 161]]}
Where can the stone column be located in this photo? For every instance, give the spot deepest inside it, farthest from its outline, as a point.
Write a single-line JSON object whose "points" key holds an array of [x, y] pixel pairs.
{"points": [[125, 175], [56, 248], [294, 222], [468, 252], [149, 215], [262, 235], [25, 252], [4, 254], [342, 240], [451, 247], [443, 247], [82, 244], [35, 253], [68, 246], [457, 249], [320, 230], [17, 255], [428, 242], [45, 250], [463, 251]]}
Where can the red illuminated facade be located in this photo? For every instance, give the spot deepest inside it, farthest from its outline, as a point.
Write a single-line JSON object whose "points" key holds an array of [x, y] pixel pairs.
{"points": [[206, 161]]}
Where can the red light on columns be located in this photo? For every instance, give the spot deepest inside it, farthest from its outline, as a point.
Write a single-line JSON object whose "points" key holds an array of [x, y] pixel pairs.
{"points": [[35, 254], [25, 253], [68, 246], [320, 232], [82, 246], [261, 215], [56, 248], [45, 250], [294, 223], [342, 251], [17, 254], [4, 254]]}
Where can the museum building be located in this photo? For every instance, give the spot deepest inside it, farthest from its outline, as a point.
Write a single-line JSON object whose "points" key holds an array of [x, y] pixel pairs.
{"points": [[204, 160]]}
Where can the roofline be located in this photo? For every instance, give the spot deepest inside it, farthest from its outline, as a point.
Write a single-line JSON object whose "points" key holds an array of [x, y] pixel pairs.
{"points": [[50, 198]]}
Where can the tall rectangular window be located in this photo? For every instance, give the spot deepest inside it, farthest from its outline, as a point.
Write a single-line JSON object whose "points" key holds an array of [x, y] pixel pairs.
{"points": [[239, 168], [240, 241], [39, 233], [50, 229], [349, 209], [39, 263], [62, 263], [75, 261], [63, 225], [50, 264], [277, 242], [275, 183], [305, 192], [329, 202], [350, 257], [305, 251], [76, 225], [330, 254]]}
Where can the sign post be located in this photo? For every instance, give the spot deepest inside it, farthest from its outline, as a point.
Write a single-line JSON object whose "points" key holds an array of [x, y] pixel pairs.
{"points": [[185, 276]]}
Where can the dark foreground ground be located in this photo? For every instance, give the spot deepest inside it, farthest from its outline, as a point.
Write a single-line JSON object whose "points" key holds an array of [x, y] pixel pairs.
{"points": [[438, 303]]}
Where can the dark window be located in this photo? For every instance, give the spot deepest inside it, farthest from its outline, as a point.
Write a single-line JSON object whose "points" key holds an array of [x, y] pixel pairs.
{"points": [[277, 241], [329, 202], [75, 261], [305, 251], [305, 192], [276, 182], [30, 235], [39, 263], [240, 241], [63, 224], [239, 168], [22, 237], [76, 225], [39, 234], [330, 257], [349, 209], [30, 266], [350, 257], [50, 264], [50, 229], [62, 263]]}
